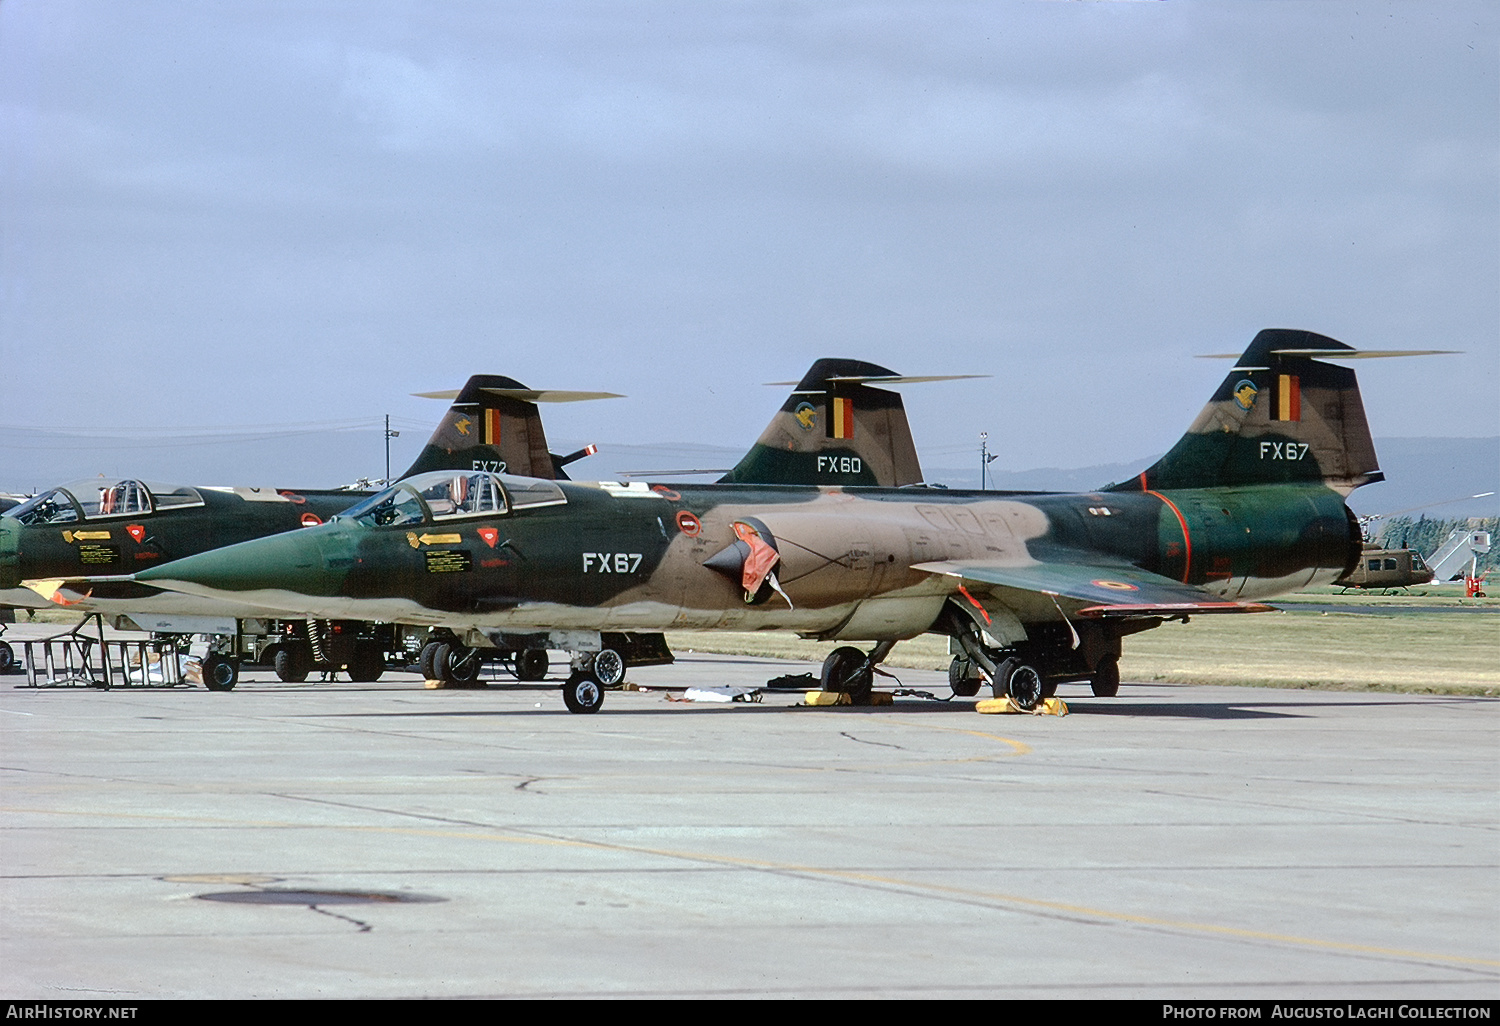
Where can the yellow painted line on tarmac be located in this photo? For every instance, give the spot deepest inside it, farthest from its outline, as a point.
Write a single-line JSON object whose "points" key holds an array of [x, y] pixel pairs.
{"points": [[1000, 898]]}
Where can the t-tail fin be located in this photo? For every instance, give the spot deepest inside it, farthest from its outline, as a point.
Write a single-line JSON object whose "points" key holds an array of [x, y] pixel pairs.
{"points": [[494, 424], [1280, 416], [835, 429]]}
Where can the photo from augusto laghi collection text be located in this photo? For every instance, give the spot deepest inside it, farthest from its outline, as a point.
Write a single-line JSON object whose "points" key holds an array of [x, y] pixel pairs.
{"points": [[1325, 1010]]}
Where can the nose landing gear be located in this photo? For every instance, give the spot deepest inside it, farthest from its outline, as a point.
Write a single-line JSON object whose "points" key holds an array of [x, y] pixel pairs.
{"points": [[592, 674]]}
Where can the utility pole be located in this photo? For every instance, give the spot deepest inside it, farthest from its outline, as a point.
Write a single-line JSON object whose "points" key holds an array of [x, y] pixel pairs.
{"points": [[389, 434], [984, 460]]}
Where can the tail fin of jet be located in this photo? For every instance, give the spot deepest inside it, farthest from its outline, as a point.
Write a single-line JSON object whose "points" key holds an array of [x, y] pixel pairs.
{"points": [[494, 424], [836, 429], [1279, 416]]}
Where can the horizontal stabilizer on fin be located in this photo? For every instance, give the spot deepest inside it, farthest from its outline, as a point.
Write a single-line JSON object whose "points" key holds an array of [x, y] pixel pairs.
{"points": [[494, 424], [1279, 416], [836, 429], [527, 395], [1341, 354]]}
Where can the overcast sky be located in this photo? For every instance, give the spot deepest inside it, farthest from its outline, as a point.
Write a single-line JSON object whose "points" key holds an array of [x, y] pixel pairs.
{"points": [[227, 214]]}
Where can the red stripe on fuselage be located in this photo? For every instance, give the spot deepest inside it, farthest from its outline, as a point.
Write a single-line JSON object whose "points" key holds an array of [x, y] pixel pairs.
{"points": [[1187, 539]]}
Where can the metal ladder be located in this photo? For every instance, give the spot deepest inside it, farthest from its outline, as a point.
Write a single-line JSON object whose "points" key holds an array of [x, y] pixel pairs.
{"points": [[67, 660]]}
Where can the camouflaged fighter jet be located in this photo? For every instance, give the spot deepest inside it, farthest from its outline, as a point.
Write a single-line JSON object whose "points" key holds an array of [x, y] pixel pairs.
{"points": [[107, 526], [1033, 588], [866, 440]]}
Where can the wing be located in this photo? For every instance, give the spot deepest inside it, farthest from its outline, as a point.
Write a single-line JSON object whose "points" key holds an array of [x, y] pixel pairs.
{"points": [[1092, 590]]}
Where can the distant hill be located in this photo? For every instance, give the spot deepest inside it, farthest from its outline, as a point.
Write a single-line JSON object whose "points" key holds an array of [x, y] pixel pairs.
{"points": [[1418, 470]]}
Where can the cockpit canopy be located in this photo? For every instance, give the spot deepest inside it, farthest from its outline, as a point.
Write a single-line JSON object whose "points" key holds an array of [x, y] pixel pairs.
{"points": [[444, 495], [99, 498]]}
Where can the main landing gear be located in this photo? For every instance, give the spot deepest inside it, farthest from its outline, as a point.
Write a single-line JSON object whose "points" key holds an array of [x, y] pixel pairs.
{"points": [[1029, 672], [852, 672], [450, 661]]}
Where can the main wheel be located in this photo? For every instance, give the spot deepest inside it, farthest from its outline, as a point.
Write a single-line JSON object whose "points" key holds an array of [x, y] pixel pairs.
{"points": [[845, 670], [1106, 679], [1024, 685], [7, 657], [582, 694], [532, 664], [427, 661], [456, 664], [367, 662], [293, 662], [608, 667], [220, 673], [964, 685]]}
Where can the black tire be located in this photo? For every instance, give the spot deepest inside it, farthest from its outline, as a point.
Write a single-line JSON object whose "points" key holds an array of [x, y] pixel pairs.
{"points": [[220, 673], [427, 661], [1024, 685], [607, 667], [532, 664], [7, 657], [845, 670], [293, 662], [960, 678], [582, 693], [456, 664], [1106, 679], [1002, 676], [367, 662]]}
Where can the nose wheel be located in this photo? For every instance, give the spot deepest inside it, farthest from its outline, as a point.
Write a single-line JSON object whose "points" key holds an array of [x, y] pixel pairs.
{"points": [[608, 667], [582, 693], [220, 673]]}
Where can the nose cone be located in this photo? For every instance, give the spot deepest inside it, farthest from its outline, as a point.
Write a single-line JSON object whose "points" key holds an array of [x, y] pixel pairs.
{"points": [[282, 564], [10, 553]]}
